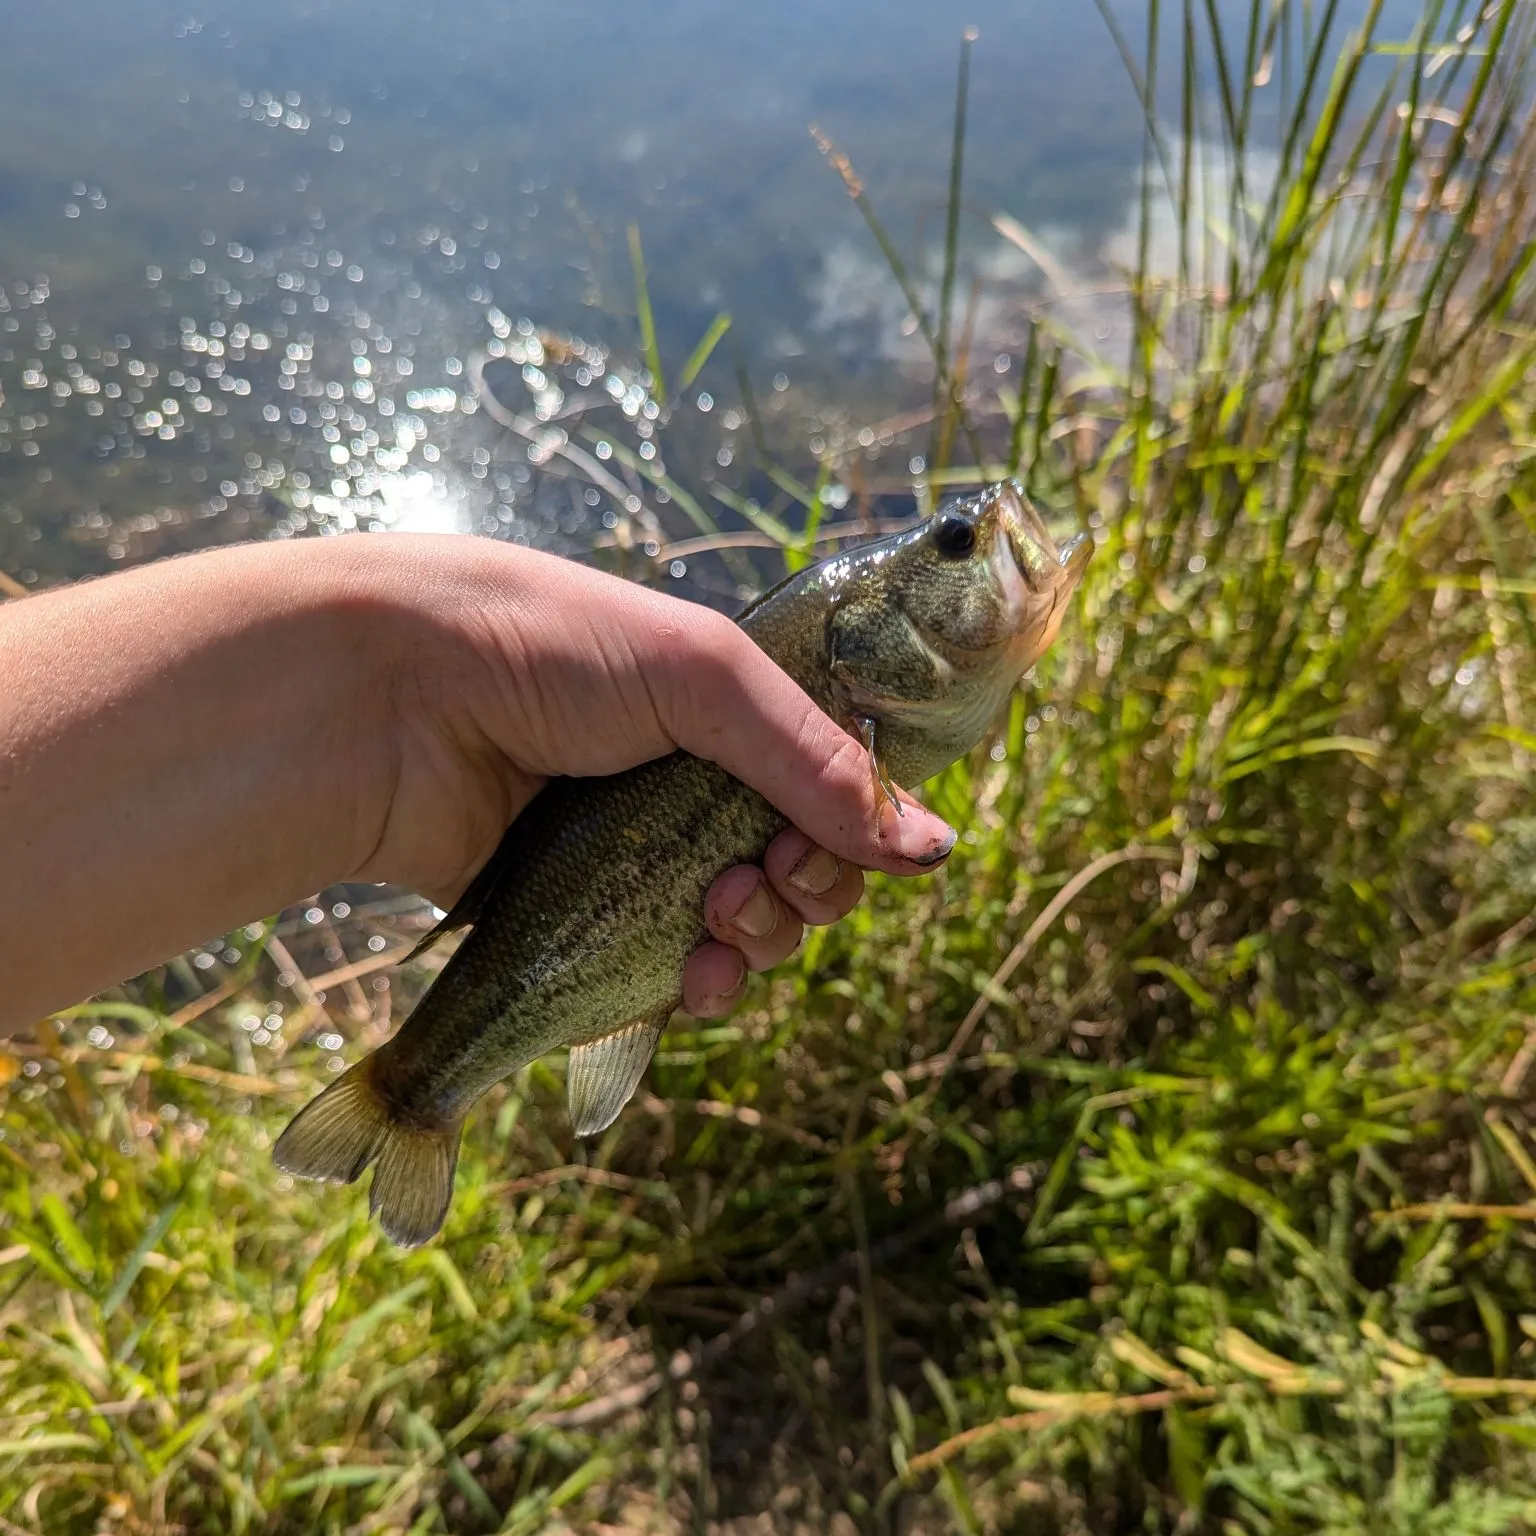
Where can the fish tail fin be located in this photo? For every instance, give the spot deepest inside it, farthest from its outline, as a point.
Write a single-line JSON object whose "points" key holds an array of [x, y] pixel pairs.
{"points": [[337, 1135], [413, 1184]]}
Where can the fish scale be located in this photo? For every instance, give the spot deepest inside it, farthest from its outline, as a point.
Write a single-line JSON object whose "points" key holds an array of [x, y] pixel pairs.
{"points": [[581, 921], [549, 955]]}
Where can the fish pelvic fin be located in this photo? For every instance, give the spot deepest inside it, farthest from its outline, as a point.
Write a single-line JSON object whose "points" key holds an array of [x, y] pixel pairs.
{"points": [[349, 1126], [604, 1073]]}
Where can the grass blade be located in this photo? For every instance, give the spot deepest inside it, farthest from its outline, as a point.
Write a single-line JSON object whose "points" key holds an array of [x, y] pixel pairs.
{"points": [[701, 353], [146, 1245], [943, 398], [648, 347]]}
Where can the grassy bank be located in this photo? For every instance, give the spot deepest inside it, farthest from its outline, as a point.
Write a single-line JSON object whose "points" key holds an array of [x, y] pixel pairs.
{"points": [[1165, 1164]]}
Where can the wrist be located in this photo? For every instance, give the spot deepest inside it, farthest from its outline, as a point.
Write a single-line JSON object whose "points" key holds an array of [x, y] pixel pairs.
{"points": [[433, 791]]}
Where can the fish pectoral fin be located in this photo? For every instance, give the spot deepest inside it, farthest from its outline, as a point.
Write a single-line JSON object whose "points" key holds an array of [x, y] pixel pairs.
{"points": [[604, 1073], [349, 1126]]}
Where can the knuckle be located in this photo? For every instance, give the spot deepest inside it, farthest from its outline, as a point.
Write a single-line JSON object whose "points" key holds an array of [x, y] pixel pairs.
{"points": [[702, 669], [842, 786]]}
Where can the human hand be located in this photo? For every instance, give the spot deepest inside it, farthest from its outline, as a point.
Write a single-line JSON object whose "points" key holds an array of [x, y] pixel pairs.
{"points": [[194, 744], [758, 916], [539, 666]]}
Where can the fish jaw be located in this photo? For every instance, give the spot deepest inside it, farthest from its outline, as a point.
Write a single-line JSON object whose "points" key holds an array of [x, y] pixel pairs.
{"points": [[1047, 572], [1075, 555]]}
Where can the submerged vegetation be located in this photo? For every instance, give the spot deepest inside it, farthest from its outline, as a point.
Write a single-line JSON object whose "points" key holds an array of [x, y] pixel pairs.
{"points": [[1165, 1164]]}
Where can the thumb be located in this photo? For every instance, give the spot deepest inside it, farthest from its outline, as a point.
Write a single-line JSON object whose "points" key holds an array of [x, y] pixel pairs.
{"points": [[720, 697]]}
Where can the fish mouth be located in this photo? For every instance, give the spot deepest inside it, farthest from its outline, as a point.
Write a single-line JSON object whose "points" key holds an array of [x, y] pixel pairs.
{"points": [[1023, 521], [1027, 535], [1074, 556], [1047, 583]]}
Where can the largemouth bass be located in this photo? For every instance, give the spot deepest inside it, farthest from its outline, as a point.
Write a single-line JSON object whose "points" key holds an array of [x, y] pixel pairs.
{"points": [[581, 920]]}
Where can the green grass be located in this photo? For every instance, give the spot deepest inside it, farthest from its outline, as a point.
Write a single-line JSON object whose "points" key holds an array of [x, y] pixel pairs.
{"points": [[1164, 1165]]}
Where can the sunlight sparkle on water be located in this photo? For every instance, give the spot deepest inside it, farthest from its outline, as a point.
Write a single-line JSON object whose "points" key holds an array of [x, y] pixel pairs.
{"points": [[403, 503]]}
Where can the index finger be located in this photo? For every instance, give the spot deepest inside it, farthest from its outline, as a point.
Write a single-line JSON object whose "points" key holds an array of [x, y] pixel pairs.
{"points": [[722, 698]]}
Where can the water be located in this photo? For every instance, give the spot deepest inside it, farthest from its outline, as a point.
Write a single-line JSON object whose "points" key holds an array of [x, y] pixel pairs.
{"points": [[254, 259], [250, 255]]}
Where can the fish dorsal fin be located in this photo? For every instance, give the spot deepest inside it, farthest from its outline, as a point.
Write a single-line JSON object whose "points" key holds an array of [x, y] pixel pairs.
{"points": [[465, 912], [603, 1073]]}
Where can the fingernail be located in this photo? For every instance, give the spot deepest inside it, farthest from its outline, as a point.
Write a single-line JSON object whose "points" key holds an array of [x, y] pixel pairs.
{"points": [[816, 873], [732, 994], [938, 852], [757, 914], [920, 837]]}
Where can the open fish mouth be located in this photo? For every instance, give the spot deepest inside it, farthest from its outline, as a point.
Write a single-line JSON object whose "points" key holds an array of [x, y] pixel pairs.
{"points": [[1074, 556], [1028, 536], [1037, 575], [1023, 517]]}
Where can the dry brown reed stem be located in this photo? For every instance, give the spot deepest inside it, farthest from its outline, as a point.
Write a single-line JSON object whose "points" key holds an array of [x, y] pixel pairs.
{"points": [[199, 1006], [749, 539], [603, 1178], [839, 162], [1044, 1418], [1513, 1079], [364, 967], [72, 1056], [358, 1006], [301, 986], [1102, 1405], [1020, 951], [538, 432], [1456, 1210]]}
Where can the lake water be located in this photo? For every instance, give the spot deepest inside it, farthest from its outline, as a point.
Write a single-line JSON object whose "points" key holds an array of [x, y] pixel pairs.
{"points": [[251, 255]]}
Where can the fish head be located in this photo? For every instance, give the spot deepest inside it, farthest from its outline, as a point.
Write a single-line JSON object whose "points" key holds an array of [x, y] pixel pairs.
{"points": [[986, 582], [948, 615]]}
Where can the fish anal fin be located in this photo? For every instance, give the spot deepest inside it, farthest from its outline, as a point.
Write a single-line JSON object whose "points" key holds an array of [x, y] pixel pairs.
{"points": [[604, 1073], [338, 1134]]}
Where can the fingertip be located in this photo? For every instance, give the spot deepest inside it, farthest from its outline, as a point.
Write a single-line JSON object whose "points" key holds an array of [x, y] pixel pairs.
{"points": [[934, 842], [714, 979], [739, 887], [811, 880], [743, 910], [912, 841]]}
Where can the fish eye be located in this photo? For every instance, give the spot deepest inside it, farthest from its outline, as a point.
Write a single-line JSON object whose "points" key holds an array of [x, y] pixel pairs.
{"points": [[954, 534]]}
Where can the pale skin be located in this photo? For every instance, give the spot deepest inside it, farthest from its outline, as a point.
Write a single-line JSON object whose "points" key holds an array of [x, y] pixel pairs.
{"points": [[201, 742]]}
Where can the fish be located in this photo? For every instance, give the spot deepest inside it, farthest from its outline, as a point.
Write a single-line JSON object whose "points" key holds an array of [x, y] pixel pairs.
{"points": [[580, 922]]}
